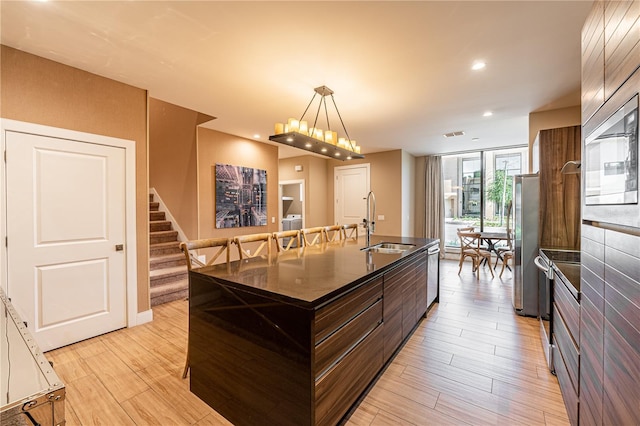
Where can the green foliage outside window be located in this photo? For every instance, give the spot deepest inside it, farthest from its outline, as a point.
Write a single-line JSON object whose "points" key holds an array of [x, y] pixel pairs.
{"points": [[500, 190]]}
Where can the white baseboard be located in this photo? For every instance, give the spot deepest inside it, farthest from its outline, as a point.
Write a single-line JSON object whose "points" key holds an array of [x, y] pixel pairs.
{"points": [[144, 317]]}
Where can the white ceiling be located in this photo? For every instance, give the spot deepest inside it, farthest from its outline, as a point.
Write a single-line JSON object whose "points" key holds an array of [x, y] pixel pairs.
{"points": [[401, 71]]}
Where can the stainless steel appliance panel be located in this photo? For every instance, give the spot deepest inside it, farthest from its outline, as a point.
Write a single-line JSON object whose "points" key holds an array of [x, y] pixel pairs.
{"points": [[610, 165], [433, 274], [526, 205]]}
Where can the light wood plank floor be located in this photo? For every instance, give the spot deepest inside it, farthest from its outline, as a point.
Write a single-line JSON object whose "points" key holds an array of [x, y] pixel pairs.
{"points": [[471, 361]]}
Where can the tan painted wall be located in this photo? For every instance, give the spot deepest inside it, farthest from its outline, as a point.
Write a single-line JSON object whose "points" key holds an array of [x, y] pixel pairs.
{"points": [[216, 147], [173, 160], [552, 119], [408, 194], [314, 173], [386, 183], [41, 91]]}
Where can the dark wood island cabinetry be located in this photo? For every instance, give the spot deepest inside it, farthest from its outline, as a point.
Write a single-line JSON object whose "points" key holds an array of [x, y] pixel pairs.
{"points": [[298, 337]]}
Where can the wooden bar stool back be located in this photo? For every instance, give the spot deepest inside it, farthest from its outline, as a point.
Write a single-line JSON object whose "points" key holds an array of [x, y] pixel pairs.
{"points": [[350, 231], [333, 233], [292, 239], [313, 236], [188, 247], [244, 248]]}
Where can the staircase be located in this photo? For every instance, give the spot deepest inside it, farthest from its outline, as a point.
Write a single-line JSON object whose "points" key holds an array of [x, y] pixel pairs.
{"points": [[167, 266]]}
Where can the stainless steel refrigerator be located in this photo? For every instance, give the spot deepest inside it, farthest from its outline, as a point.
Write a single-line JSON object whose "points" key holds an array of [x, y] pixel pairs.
{"points": [[526, 206]]}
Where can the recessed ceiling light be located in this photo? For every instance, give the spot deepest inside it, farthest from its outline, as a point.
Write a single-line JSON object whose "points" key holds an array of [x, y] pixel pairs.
{"points": [[487, 114], [256, 136], [475, 139], [324, 150], [478, 65], [308, 145]]}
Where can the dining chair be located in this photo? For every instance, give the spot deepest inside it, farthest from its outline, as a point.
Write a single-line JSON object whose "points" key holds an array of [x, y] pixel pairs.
{"points": [[313, 236], [508, 247], [333, 233], [509, 241], [245, 252], [350, 231], [470, 246], [286, 240], [506, 257], [188, 248]]}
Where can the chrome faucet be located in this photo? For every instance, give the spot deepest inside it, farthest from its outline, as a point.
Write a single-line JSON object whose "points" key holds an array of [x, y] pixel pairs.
{"points": [[370, 225]]}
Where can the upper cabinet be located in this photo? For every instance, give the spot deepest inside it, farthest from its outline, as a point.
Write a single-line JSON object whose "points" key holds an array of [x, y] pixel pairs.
{"points": [[610, 51], [593, 61], [621, 43], [560, 193]]}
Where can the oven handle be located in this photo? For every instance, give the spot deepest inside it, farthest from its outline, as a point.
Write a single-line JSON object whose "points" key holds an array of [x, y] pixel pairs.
{"points": [[541, 264]]}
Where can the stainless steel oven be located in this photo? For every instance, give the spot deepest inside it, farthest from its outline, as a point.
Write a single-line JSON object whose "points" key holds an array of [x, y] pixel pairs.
{"points": [[557, 267], [545, 308], [610, 168]]}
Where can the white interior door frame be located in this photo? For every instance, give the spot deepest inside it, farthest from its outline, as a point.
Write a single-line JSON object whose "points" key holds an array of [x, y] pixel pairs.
{"points": [[302, 197], [131, 251]]}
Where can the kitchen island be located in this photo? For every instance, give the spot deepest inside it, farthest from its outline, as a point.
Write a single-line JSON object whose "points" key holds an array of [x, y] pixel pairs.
{"points": [[297, 337]]}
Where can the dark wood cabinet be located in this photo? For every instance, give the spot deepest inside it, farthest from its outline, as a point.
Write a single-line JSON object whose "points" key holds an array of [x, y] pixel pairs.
{"points": [[405, 301], [609, 327], [593, 61], [610, 256], [621, 396], [560, 201], [592, 325], [610, 51], [566, 338], [621, 46]]}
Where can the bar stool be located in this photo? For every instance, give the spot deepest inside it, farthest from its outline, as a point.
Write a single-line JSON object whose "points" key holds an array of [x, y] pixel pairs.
{"points": [[292, 237], [333, 233], [313, 236], [244, 253], [187, 247], [350, 231]]}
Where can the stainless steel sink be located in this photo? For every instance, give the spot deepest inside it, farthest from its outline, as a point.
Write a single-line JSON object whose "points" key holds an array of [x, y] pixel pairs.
{"points": [[389, 248]]}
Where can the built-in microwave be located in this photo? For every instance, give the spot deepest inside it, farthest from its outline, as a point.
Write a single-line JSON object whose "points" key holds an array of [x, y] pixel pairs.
{"points": [[610, 169]]}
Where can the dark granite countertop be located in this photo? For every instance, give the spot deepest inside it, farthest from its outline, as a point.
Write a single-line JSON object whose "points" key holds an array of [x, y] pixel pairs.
{"points": [[311, 276]]}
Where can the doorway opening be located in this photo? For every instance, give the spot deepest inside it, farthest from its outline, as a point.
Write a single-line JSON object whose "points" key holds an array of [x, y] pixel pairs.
{"points": [[291, 206]]}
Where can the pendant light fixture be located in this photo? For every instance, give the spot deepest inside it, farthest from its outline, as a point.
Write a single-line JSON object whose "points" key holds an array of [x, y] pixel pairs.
{"points": [[298, 134]]}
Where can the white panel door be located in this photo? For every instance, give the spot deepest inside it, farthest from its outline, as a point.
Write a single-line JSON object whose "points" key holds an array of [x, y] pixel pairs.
{"points": [[351, 189], [65, 217]]}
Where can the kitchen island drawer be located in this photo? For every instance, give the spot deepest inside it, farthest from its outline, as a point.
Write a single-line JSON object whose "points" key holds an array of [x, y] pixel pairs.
{"points": [[339, 343], [337, 390], [331, 317]]}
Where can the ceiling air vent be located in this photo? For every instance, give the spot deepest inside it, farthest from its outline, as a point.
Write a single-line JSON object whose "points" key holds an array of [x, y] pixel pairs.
{"points": [[452, 134]]}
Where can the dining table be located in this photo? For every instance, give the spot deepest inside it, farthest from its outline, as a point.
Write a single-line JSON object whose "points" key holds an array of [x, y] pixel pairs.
{"points": [[492, 238]]}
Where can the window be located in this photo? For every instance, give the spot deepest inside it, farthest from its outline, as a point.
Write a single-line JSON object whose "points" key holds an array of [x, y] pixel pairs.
{"points": [[478, 188]]}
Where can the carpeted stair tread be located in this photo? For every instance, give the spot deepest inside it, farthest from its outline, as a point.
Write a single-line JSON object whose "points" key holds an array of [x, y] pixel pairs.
{"points": [[167, 272], [166, 260], [169, 292], [159, 225]]}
